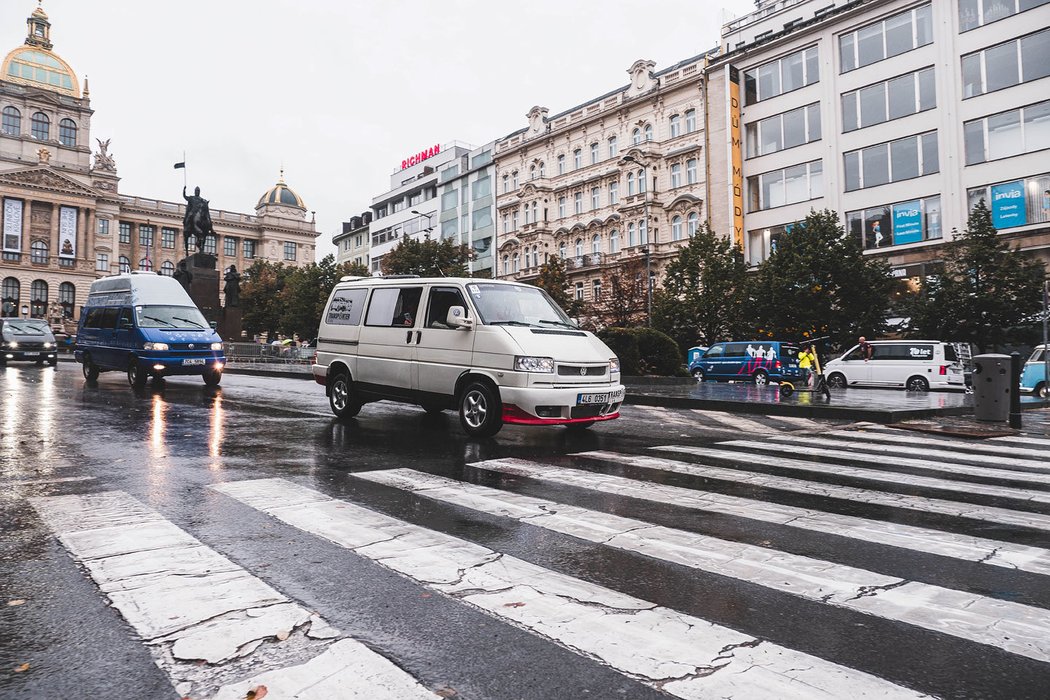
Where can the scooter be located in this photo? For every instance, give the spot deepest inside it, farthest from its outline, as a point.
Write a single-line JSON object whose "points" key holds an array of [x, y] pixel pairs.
{"points": [[820, 384]]}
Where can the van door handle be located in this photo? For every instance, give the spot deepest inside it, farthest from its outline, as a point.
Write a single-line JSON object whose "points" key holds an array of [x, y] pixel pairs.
{"points": [[419, 336], [408, 337]]}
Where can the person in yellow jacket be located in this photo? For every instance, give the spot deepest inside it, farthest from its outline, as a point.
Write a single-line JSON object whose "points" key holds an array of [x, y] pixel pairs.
{"points": [[805, 363]]}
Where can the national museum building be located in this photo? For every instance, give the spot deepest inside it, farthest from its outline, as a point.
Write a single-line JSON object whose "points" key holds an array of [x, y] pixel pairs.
{"points": [[65, 222]]}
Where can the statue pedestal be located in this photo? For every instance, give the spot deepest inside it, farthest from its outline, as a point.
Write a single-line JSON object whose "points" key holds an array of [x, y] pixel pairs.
{"points": [[230, 326], [204, 284]]}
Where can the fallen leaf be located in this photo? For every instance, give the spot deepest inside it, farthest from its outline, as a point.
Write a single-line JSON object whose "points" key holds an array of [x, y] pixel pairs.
{"points": [[446, 692], [282, 635], [514, 605], [426, 595], [19, 601], [256, 693], [23, 667]]}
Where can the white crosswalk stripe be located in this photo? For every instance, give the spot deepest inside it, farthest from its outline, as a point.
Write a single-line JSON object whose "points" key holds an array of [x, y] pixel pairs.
{"points": [[680, 654], [734, 421], [1020, 440], [917, 440], [1019, 629]]}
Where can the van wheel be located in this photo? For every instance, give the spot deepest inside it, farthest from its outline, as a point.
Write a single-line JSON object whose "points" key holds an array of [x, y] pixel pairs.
{"points": [[90, 369], [136, 375], [341, 396], [212, 377], [698, 374], [480, 412], [837, 380], [1041, 391], [917, 384], [761, 378]]}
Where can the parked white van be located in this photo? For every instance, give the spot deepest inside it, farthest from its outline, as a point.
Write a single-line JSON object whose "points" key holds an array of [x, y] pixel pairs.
{"points": [[916, 365], [498, 352]]}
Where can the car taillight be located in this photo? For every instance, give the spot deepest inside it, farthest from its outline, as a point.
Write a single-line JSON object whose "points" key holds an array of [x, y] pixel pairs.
{"points": [[944, 370], [777, 365]]}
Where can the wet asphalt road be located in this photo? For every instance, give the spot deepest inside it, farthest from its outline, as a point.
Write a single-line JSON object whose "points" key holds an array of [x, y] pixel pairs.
{"points": [[165, 447]]}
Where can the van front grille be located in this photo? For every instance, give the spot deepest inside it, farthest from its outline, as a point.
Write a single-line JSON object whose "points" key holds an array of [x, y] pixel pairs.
{"points": [[582, 370]]}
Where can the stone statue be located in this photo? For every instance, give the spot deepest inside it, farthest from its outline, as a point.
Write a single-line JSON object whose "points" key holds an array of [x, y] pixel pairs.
{"points": [[183, 275], [232, 290], [197, 221], [103, 160]]}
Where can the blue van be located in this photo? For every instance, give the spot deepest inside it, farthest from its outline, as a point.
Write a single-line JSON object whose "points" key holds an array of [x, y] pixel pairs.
{"points": [[758, 361], [145, 324], [1033, 376], [692, 358]]}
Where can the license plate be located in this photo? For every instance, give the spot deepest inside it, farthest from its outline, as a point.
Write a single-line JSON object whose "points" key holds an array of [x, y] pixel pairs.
{"points": [[30, 354], [193, 361], [604, 397]]}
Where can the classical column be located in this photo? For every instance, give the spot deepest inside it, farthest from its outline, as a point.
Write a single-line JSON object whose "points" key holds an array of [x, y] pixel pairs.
{"points": [[135, 245], [27, 225], [53, 246]]}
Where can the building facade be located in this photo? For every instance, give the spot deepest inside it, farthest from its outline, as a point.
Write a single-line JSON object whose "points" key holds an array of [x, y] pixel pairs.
{"points": [[65, 220], [612, 180], [467, 211], [353, 243], [897, 115]]}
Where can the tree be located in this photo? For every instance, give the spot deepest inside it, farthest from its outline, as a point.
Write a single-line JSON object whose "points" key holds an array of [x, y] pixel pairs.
{"points": [[985, 291], [819, 283], [623, 298], [705, 292], [261, 296], [553, 280], [427, 258]]}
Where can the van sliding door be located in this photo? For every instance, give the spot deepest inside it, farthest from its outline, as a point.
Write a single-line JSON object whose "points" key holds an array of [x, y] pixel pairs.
{"points": [[386, 353]]}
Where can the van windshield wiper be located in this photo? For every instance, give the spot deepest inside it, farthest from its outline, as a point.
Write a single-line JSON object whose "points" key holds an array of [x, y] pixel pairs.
{"points": [[195, 324], [162, 320], [509, 323], [563, 324]]}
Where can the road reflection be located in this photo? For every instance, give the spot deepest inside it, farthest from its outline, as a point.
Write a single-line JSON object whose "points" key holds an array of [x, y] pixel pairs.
{"points": [[216, 432]]}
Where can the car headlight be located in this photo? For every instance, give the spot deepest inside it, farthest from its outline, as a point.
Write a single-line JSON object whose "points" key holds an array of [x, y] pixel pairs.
{"points": [[49, 345], [155, 346], [614, 365], [524, 363], [12, 344], [216, 346]]}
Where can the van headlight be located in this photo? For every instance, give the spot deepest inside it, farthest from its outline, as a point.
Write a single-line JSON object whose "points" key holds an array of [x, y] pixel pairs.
{"points": [[614, 365], [12, 344], [155, 346], [525, 363], [49, 345], [216, 346]]}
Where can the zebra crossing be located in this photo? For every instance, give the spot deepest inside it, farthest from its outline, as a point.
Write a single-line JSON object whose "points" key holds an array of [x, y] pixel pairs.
{"points": [[701, 421], [849, 563]]}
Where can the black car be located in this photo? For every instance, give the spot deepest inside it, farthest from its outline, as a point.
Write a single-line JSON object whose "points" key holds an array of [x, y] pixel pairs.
{"points": [[28, 340]]}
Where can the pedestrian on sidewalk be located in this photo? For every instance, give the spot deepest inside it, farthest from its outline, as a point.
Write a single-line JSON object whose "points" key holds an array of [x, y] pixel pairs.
{"points": [[805, 363]]}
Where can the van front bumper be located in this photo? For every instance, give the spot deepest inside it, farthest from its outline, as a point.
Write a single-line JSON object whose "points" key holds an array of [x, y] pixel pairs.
{"points": [[28, 355], [561, 406], [168, 366]]}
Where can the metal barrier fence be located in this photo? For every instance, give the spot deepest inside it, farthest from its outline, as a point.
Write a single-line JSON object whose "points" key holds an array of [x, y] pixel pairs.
{"points": [[275, 354]]}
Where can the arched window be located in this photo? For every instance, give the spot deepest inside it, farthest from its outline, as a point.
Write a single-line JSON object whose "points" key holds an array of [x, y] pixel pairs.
{"points": [[676, 228], [67, 132], [579, 247], [67, 297], [514, 180], [630, 235], [577, 159], [648, 132], [690, 121], [561, 164], [535, 256], [613, 148], [630, 183], [543, 169], [506, 183], [38, 252], [40, 126], [11, 294], [532, 172], [641, 181], [561, 250], [125, 264], [167, 268], [614, 241], [676, 125], [145, 264], [643, 232], [12, 123], [516, 260], [594, 153], [38, 299], [596, 244], [506, 264], [693, 224], [636, 136]]}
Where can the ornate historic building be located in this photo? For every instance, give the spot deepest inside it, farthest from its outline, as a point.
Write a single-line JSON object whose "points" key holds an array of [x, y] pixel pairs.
{"points": [[65, 221], [614, 179]]}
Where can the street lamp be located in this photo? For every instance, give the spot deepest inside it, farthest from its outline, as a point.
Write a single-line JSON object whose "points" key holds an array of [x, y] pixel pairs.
{"points": [[429, 228], [648, 254]]}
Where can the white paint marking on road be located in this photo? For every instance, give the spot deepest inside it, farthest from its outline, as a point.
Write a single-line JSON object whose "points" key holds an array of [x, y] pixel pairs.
{"points": [[190, 604], [735, 421], [666, 416], [1020, 439], [41, 482], [965, 547], [801, 422], [1013, 627], [783, 483], [683, 655]]}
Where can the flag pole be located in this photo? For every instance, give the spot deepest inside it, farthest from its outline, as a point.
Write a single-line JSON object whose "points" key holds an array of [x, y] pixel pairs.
{"points": [[184, 169]]}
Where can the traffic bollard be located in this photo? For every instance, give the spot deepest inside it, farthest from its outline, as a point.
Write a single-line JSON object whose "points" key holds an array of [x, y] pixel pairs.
{"points": [[1015, 390]]}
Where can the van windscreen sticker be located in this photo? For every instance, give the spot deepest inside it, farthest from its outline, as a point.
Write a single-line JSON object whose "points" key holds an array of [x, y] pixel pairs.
{"points": [[346, 306]]}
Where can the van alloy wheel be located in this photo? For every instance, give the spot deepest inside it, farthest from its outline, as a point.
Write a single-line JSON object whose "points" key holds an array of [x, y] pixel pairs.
{"points": [[917, 384], [761, 378], [136, 375], [836, 380], [480, 411], [698, 374], [341, 397], [90, 369]]}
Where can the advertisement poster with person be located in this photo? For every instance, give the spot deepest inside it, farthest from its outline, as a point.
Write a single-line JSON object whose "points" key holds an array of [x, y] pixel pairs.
{"points": [[67, 232], [13, 225]]}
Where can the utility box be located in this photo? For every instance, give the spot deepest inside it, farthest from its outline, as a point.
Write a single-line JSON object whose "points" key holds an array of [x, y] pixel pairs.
{"points": [[991, 387]]}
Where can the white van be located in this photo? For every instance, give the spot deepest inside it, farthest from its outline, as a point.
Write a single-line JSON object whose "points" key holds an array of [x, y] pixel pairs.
{"points": [[498, 352], [916, 365]]}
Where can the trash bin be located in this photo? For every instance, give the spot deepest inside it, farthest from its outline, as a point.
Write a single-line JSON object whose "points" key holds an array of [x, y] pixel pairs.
{"points": [[991, 387]]}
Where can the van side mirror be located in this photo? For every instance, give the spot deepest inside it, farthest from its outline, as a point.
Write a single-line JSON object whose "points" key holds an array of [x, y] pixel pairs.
{"points": [[126, 324], [213, 324], [457, 318]]}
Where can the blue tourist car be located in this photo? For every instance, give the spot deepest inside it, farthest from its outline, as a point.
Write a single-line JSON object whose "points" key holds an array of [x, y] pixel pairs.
{"points": [[1033, 376]]}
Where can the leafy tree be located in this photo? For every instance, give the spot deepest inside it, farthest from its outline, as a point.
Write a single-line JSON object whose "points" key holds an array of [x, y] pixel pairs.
{"points": [[553, 280], [355, 269], [985, 291], [623, 301], [261, 296], [705, 292], [819, 283], [427, 258]]}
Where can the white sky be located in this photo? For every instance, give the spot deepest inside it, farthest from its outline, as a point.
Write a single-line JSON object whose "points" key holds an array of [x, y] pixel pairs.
{"points": [[340, 91]]}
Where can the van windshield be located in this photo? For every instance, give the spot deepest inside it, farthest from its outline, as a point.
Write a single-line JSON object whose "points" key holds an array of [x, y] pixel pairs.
{"points": [[170, 317], [1037, 355], [27, 327], [505, 304]]}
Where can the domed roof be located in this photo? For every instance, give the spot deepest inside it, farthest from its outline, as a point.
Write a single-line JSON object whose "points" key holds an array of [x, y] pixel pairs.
{"points": [[29, 65], [281, 194]]}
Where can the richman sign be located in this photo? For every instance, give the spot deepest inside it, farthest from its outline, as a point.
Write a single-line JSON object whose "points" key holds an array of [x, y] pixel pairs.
{"points": [[421, 156]]}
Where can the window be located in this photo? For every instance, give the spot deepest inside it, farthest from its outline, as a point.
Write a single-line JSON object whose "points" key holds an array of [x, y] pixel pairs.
{"points": [[613, 147], [516, 263], [614, 192], [594, 153], [675, 124], [103, 227], [11, 292], [562, 250], [38, 299], [449, 228], [167, 238], [630, 183], [289, 251], [798, 183], [892, 36], [506, 264], [67, 132], [38, 252], [441, 299], [125, 232], [578, 202], [643, 232], [596, 244], [676, 175], [561, 164], [614, 241], [578, 291], [101, 262], [67, 297], [694, 224], [636, 136], [506, 184], [975, 13], [514, 180], [145, 235], [211, 245], [676, 228], [631, 242], [125, 263], [690, 115], [248, 250], [482, 217], [641, 181], [595, 197], [579, 247], [896, 224], [777, 77], [40, 126], [902, 159], [12, 121], [997, 67], [690, 171], [391, 306], [1008, 133], [167, 268], [450, 199], [543, 170], [577, 159], [648, 132], [145, 265], [890, 99], [596, 290], [782, 131], [532, 172], [483, 158], [561, 207], [229, 247]]}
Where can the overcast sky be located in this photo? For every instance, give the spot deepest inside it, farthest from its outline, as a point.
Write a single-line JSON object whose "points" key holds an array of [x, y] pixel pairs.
{"points": [[340, 91]]}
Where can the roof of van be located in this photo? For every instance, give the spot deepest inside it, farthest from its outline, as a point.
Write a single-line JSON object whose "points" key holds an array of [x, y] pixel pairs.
{"points": [[138, 289], [409, 279]]}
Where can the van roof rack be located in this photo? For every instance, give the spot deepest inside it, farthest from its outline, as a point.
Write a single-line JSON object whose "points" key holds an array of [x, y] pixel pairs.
{"points": [[400, 277]]}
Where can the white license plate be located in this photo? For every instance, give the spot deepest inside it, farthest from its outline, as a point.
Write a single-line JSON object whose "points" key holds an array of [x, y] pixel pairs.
{"points": [[30, 354], [604, 397], [193, 361]]}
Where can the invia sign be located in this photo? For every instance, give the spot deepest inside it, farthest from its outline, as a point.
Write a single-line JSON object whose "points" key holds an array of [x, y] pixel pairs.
{"points": [[421, 156], [907, 222], [1008, 205]]}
